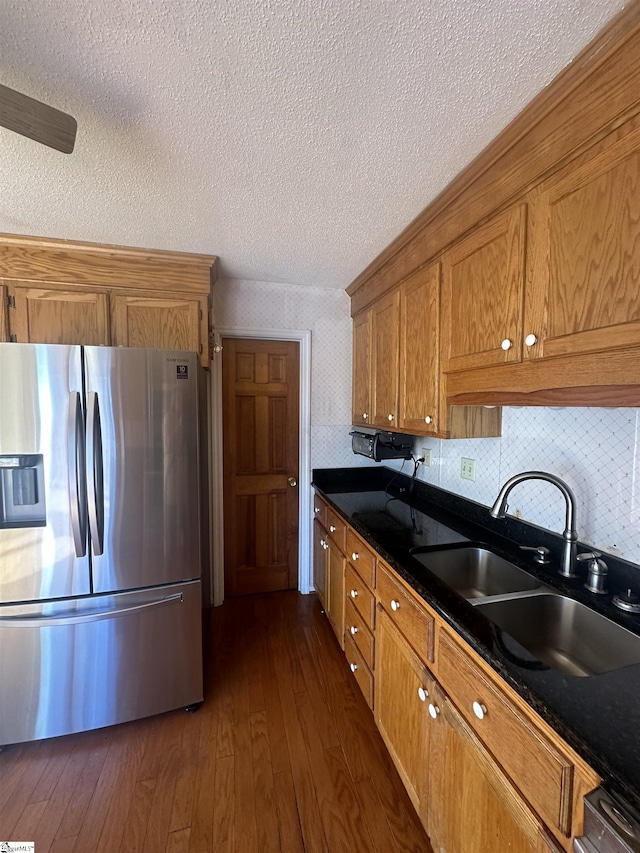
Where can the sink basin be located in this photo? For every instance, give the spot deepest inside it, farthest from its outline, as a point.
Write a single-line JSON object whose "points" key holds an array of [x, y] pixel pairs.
{"points": [[475, 572], [564, 634]]}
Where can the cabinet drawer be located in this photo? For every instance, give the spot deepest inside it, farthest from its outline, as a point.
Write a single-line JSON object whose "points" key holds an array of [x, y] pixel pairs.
{"points": [[360, 669], [414, 622], [543, 774], [336, 528], [355, 627], [320, 510], [360, 596], [362, 558]]}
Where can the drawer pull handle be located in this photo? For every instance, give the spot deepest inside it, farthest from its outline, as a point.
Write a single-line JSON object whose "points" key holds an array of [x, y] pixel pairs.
{"points": [[353, 667], [355, 556], [354, 593], [353, 630], [422, 693], [433, 710], [530, 340], [332, 528], [479, 710], [506, 344], [395, 605]]}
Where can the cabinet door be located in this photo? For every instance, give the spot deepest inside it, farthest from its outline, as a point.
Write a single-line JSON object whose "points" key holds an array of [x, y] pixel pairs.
{"points": [[320, 557], [58, 316], [586, 252], [361, 379], [419, 344], [385, 337], [4, 320], [156, 322], [335, 590], [403, 686], [473, 807], [482, 294]]}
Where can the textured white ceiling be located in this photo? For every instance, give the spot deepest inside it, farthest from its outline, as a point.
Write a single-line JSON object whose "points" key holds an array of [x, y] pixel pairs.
{"points": [[293, 138]]}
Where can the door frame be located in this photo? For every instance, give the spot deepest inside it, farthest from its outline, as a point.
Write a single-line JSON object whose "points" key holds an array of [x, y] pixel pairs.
{"points": [[303, 337]]}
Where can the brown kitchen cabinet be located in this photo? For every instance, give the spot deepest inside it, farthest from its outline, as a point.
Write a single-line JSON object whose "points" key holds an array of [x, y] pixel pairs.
{"points": [[473, 806], [320, 560], [385, 339], [419, 373], [85, 293], [403, 687], [158, 322], [58, 315], [482, 294], [582, 290], [4, 320], [361, 370]]}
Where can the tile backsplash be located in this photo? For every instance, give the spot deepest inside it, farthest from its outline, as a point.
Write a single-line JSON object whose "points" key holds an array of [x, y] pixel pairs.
{"points": [[596, 452]]}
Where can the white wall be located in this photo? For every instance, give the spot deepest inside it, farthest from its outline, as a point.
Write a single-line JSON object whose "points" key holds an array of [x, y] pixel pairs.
{"points": [[596, 451]]}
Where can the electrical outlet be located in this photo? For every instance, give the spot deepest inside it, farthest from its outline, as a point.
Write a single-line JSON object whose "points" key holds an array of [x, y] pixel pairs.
{"points": [[468, 468], [426, 455]]}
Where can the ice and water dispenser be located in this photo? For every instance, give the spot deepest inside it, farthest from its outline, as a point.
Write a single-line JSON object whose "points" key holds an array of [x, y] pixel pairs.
{"points": [[22, 491]]}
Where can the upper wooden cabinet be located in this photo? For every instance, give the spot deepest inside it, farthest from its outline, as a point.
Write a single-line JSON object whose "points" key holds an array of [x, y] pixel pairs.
{"points": [[482, 294], [582, 293], [361, 369], [84, 293], [4, 320], [62, 316], [419, 377], [155, 322], [385, 336]]}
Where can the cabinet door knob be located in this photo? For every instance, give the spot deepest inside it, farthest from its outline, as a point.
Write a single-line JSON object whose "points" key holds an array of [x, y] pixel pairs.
{"points": [[354, 593], [353, 667], [390, 417], [395, 605], [355, 556], [422, 693], [479, 710], [353, 630], [530, 340], [428, 419], [506, 344], [332, 528], [433, 710], [364, 415]]}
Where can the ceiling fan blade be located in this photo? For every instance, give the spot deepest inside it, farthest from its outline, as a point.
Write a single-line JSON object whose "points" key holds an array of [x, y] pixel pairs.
{"points": [[36, 120]]}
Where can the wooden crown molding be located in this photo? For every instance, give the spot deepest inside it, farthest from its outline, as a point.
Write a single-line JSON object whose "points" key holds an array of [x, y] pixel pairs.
{"points": [[64, 261]]}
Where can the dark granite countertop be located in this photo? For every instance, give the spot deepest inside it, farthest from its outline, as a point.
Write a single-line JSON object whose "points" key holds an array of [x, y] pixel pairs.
{"points": [[599, 715]]}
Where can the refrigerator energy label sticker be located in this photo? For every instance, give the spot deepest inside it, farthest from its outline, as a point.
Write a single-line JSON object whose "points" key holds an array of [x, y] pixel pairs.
{"points": [[182, 371]]}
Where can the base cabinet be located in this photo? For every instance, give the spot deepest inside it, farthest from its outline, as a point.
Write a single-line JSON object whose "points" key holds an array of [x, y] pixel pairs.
{"points": [[473, 808], [403, 686]]}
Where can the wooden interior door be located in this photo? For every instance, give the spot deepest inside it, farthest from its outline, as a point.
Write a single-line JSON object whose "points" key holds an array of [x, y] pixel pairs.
{"points": [[260, 391]]}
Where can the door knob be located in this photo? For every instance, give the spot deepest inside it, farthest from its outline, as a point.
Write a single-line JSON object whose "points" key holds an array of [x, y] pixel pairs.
{"points": [[292, 481]]}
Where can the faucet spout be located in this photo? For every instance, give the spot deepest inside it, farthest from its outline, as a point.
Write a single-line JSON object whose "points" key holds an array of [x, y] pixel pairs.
{"points": [[569, 534]]}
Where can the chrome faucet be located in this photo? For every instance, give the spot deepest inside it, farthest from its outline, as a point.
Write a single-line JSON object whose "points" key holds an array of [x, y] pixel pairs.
{"points": [[500, 507]]}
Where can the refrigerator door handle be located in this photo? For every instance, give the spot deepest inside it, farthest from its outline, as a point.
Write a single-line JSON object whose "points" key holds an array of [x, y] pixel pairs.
{"points": [[95, 473], [89, 616], [77, 480]]}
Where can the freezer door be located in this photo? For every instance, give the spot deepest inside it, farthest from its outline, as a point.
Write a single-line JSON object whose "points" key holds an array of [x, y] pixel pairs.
{"points": [[92, 662], [142, 467], [43, 513]]}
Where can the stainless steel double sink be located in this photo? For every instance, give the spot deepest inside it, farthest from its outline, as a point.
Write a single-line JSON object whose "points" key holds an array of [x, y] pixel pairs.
{"points": [[557, 630]]}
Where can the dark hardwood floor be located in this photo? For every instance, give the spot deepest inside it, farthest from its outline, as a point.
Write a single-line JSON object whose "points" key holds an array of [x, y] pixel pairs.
{"points": [[283, 756]]}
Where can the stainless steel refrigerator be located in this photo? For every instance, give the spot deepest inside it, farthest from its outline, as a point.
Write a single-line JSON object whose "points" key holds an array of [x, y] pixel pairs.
{"points": [[100, 594]]}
